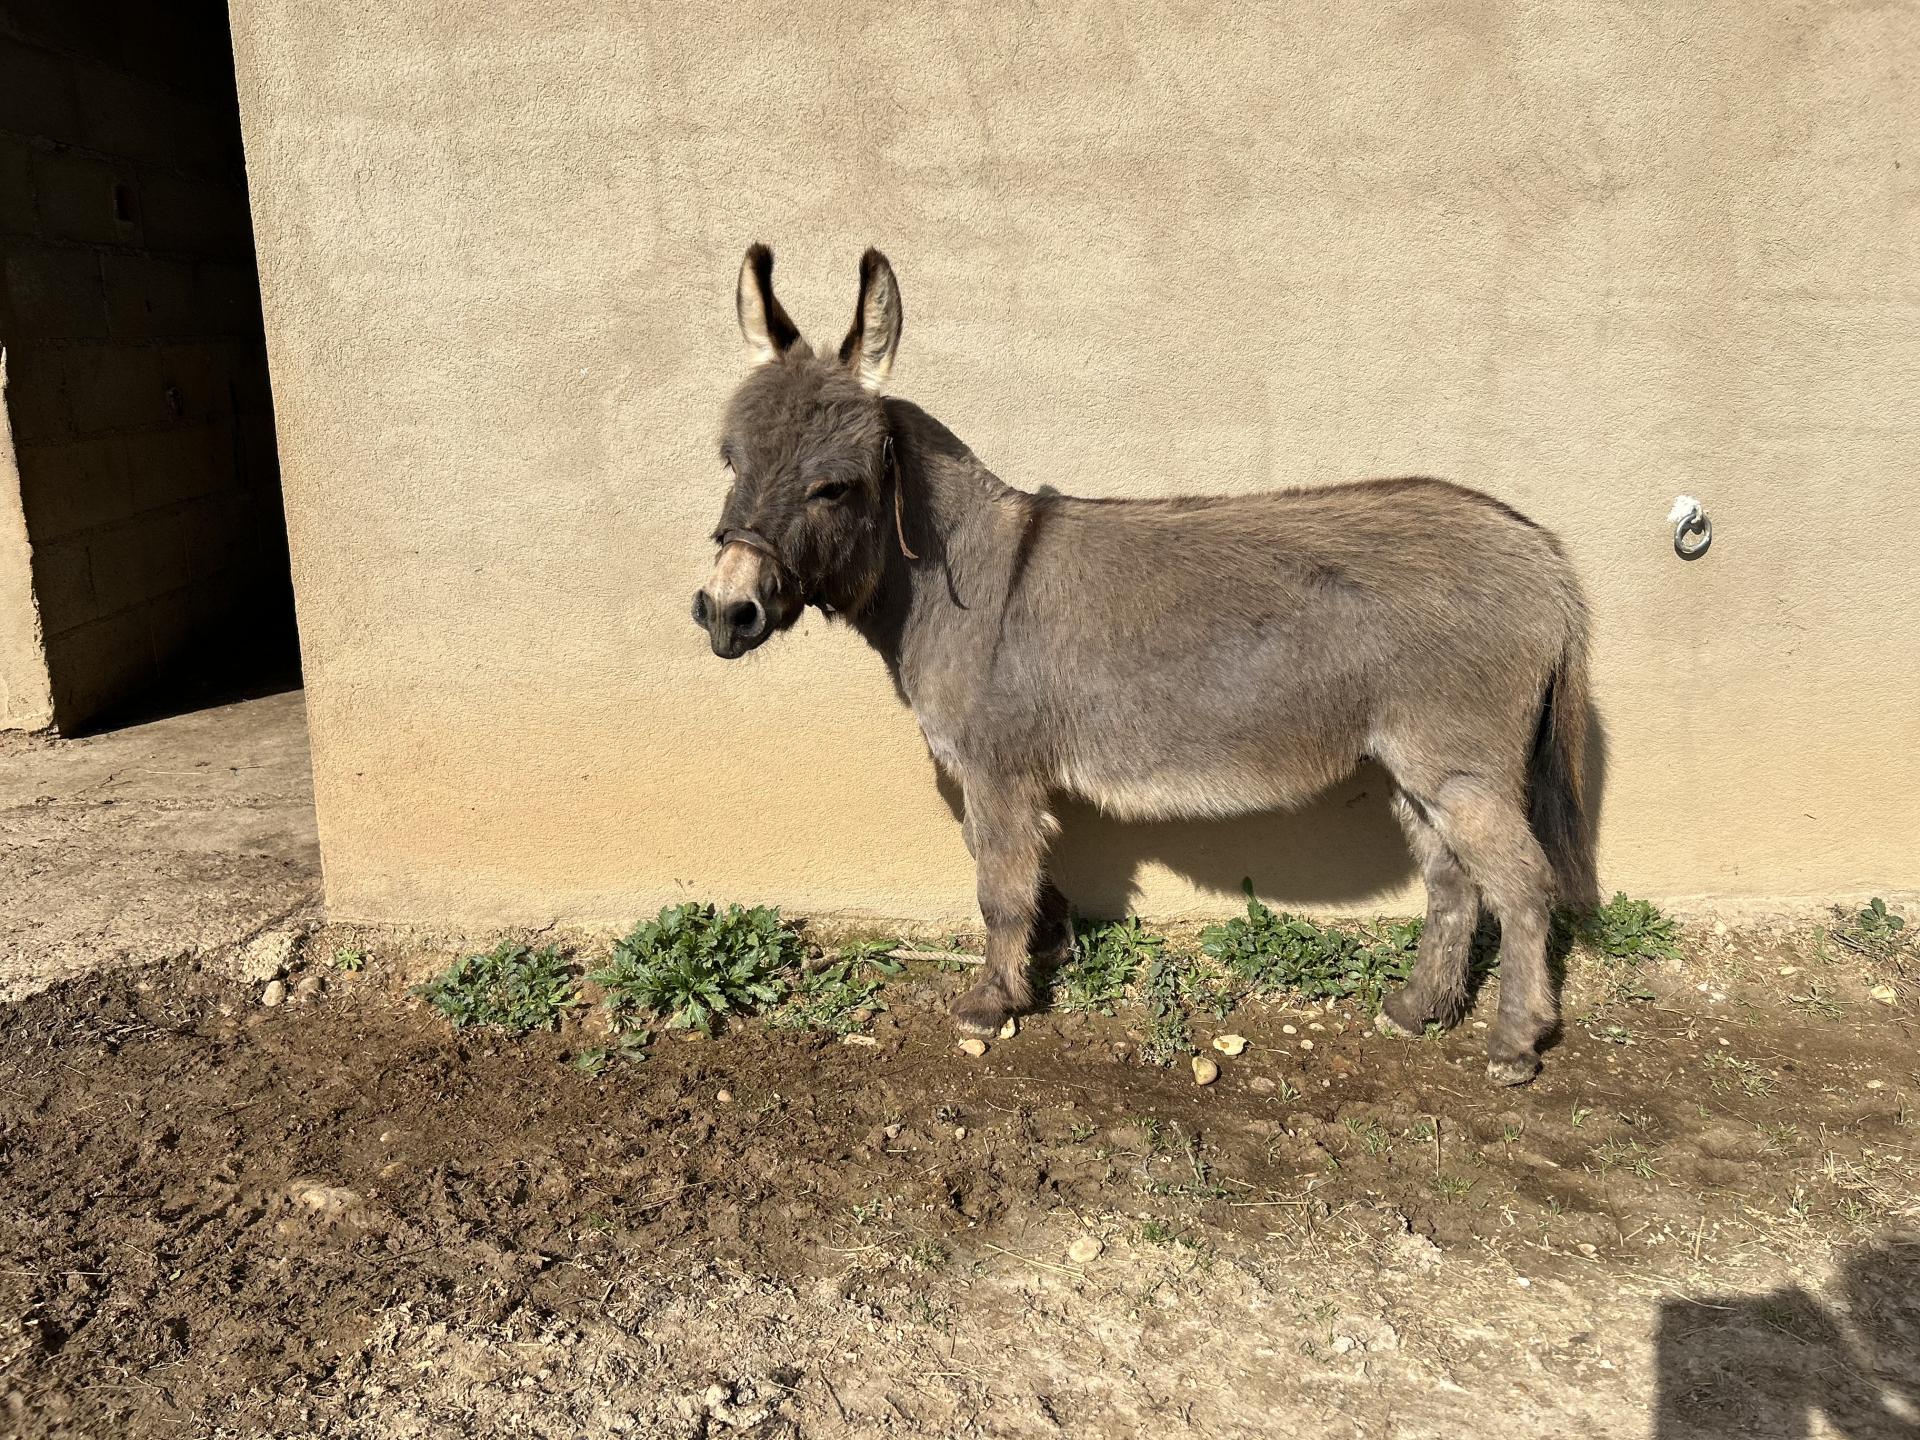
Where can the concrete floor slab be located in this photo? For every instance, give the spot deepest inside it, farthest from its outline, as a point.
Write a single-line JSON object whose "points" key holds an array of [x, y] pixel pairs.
{"points": [[181, 838]]}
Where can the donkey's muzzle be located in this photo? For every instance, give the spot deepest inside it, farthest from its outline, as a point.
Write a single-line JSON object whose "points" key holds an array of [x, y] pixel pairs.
{"points": [[733, 626]]}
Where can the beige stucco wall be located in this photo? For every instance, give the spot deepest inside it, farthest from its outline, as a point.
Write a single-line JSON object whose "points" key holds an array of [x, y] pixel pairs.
{"points": [[1585, 257]]}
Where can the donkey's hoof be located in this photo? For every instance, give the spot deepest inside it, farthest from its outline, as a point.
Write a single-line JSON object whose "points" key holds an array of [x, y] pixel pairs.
{"points": [[1515, 1071], [982, 1010], [1391, 1028], [1399, 1018]]}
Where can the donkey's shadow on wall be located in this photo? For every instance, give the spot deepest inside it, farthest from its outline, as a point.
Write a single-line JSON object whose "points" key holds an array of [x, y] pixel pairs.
{"points": [[1342, 851]]}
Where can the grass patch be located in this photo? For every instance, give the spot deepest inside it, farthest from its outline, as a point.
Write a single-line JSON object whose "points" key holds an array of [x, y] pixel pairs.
{"points": [[1817, 1002], [1628, 1155], [1274, 953], [695, 964], [1729, 1072], [349, 959], [512, 987]]}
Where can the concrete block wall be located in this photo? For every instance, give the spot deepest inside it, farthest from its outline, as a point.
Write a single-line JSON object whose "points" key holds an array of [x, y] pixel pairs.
{"points": [[129, 309]]}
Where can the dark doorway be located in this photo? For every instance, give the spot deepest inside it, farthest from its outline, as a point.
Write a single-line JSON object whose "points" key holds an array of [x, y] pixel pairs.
{"points": [[137, 393]]}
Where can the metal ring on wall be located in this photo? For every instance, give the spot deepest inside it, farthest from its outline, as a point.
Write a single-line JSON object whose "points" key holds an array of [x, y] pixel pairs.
{"points": [[1695, 524]]}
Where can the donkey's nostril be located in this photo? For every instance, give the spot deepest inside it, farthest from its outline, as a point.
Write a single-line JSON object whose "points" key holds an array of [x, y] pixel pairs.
{"points": [[746, 617], [700, 607]]}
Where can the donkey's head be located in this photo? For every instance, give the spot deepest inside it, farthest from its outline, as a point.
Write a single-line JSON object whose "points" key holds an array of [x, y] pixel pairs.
{"points": [[809, 460]]}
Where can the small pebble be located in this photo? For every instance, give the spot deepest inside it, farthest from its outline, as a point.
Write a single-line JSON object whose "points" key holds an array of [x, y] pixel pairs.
{"points": [[1719, 927], [1789, 969], [1085, 1250], [1306, 1044], [1316, 1026], [1010, 1029], [1206, 1070], [1885, 994], [892, 1132], [974, 1046], [865, 1040], [959, 1132], [275, 992], [1229, 1044], [1262, 1085], [1876, 1084], [308, 986], [1288, 1030], [725, 1097]]}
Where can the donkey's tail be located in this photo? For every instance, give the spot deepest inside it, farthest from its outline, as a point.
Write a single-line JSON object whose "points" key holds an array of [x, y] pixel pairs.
{"points": [[1557, 809]]}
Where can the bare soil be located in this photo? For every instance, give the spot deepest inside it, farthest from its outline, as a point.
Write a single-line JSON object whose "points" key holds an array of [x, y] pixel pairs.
{"points": [[337, 1217]]}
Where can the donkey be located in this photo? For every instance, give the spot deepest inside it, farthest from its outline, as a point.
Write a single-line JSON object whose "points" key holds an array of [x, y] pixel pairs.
{"points": [[1191, 657]]}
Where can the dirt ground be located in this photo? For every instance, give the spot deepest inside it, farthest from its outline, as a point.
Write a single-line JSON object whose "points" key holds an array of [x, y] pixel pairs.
{"points": [[336, 1217]]}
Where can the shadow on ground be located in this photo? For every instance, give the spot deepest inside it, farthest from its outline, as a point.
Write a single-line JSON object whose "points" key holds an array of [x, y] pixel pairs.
{"points": [[1769, 1364]]}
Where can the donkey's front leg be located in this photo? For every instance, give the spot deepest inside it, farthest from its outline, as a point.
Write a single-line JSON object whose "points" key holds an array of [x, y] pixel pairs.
{"points": [[1007, 828]]}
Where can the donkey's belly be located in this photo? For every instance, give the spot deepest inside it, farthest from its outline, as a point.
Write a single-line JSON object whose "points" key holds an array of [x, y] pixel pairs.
{"points": [[1179, 788]]}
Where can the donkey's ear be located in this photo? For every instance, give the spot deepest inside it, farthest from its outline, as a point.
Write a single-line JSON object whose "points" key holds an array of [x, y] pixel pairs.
{"points": [[869, 346], [769, 333]]}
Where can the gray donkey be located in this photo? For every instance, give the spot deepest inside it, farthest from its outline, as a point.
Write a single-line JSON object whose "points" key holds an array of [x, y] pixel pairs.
{"points": [[1189, 657]]}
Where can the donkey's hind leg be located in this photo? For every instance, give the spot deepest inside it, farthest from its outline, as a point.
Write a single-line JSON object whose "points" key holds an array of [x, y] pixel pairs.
{"points": [[1486, 827], [1436, 992], [1007, 829]]}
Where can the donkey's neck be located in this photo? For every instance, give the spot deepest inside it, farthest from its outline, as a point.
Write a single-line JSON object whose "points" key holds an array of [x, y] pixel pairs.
{"points": [[964, 526]]}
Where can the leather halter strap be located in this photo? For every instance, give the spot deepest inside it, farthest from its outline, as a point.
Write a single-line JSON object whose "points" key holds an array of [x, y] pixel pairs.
{"points": [[746, 535], [752, 539]]}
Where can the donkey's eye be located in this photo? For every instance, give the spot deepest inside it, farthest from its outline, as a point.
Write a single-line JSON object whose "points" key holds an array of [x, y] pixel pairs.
{"points": [[829, 491]]}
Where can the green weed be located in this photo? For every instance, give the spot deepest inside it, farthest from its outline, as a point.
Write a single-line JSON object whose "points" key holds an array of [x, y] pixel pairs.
{"points": [[348, 958], [1168, 1035], [1272, 953], [1107, 955], [833, 998], [1876, 922], [695, 964], [511, 987], [1875, 932], [598, 1059], [1629, 931]]}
